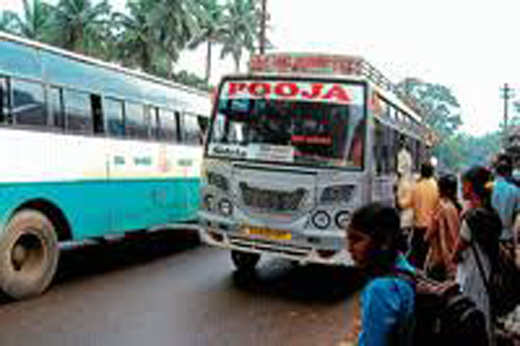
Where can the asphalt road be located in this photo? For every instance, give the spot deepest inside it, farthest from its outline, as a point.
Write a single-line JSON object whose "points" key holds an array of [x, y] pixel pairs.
{"points": [[166, 289]]}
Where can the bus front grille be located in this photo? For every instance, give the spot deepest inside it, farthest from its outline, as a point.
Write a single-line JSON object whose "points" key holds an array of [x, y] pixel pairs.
{"points": [[270, 246], [272, 200]]}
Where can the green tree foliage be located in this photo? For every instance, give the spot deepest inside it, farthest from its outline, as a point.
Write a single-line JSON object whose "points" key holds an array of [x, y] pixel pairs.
{"points": [[211, 30], [149, 36], [440, 108], [461, 151], [33, 23], [240, 27], [191, 79], [7, 19], [176, 22], [137, 40], [82, 26]]}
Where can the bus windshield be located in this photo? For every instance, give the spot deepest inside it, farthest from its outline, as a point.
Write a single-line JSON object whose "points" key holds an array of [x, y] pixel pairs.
{"points": [[290, 122]]}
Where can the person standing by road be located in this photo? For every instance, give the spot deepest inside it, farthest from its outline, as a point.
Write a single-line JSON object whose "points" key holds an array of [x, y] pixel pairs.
{"points": [[425, 198], [478, 243], [443, 233], [506, 201], [387, 302]]}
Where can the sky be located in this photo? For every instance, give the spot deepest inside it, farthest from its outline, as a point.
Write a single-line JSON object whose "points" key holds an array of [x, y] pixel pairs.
{"points": [[469, 46]]}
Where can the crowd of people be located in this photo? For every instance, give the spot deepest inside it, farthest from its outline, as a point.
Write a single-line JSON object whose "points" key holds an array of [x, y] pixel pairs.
{"points": [[436, 233]]}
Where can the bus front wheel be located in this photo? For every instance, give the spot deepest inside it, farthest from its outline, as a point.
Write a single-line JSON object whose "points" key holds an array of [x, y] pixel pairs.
{"points": [[244, 261], [29, 254]]}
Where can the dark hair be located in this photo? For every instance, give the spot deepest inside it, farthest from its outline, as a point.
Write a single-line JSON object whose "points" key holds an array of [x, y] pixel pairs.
{"points": [[480, 177], [426, 170], [381, 222], [448, 189], [504, 165]]}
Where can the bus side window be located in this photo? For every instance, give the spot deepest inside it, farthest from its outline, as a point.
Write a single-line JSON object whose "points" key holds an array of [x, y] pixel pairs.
{"points": [[152, 114], [56, 108], [191, 129], [4, 100], [136, 125], [78, 112], [203, 125], [179, 121], [378, 147], [113, 111], [97, 114], [167, 126], [389, 151], [28, 103], [419, 155], [393, 148]]}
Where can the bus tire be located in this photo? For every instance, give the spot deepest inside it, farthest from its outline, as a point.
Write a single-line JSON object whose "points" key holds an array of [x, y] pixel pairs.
{"points": [[244, 261], [29, 253]]}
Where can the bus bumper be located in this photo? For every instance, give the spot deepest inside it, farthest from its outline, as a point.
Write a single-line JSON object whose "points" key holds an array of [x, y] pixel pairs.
{"points": [[225, 235]]}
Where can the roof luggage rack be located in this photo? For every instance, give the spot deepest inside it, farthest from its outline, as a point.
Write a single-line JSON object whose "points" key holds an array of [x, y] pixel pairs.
{"points": [[315, 63]]}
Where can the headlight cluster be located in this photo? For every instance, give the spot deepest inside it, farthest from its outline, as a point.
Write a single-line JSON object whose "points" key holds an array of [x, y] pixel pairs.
{"points": [[207, 202], [217, 180], [337, 194], [322, 219], [224, 205]]}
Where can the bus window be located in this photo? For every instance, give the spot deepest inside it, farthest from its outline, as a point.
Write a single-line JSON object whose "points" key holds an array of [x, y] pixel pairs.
{"points": [[178, 122], [419, 155], [78, 112], [167, 126], [378, 147], [389, 151], [4, 101], [136, 125], [28, 103], [56, 104], [203, 124], [152, 115], [113, 110], [97, 114], [191, 129]]}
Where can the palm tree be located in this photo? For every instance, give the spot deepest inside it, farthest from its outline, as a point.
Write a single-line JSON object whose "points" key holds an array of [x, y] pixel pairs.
{"points": [[6, 21], [137, 39], [211, 30], [34, 20], [176, 23], [241, 24], [81, 25]]}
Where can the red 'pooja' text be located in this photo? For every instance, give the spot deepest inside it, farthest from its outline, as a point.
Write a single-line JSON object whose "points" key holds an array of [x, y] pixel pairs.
{"points": [[336, 93]]}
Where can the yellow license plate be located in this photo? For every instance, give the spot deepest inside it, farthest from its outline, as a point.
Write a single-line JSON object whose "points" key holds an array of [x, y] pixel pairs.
{"points": [[268, 233]]}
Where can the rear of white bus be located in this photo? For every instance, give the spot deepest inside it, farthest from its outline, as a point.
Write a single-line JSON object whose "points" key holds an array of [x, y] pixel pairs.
{"points": [[284, 168]]}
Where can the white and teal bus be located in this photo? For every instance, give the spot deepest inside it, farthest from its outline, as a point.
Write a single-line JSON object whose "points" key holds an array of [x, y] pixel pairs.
{"points": [[294, 147], [89, 149]]}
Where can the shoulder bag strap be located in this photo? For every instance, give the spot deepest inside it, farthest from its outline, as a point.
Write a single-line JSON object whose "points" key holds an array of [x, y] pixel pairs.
{"points": [[480, 267]]}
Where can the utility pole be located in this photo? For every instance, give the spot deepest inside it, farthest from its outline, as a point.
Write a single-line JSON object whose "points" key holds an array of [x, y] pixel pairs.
{"points": [[507, 93], [263, 24]]}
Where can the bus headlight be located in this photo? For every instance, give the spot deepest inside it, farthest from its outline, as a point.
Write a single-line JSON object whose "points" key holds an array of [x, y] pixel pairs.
{"points": [[207, 202], [321, 219], [226, 207], [343, 219], [217, 180], [337, 194]]}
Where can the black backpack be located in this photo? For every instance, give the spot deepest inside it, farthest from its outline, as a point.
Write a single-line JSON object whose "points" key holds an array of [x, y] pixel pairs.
{"points": [[444, 315]]}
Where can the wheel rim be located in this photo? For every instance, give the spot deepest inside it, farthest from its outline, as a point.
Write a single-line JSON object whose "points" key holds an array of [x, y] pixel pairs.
{"points": [[27, 254]]}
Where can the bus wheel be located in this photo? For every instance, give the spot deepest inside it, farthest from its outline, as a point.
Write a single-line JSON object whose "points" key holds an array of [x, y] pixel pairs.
{"points": [[244, 261], [29, 254]]}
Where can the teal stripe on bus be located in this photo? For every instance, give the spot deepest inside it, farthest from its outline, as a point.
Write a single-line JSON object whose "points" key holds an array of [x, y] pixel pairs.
{"points": [[96, 208]]}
